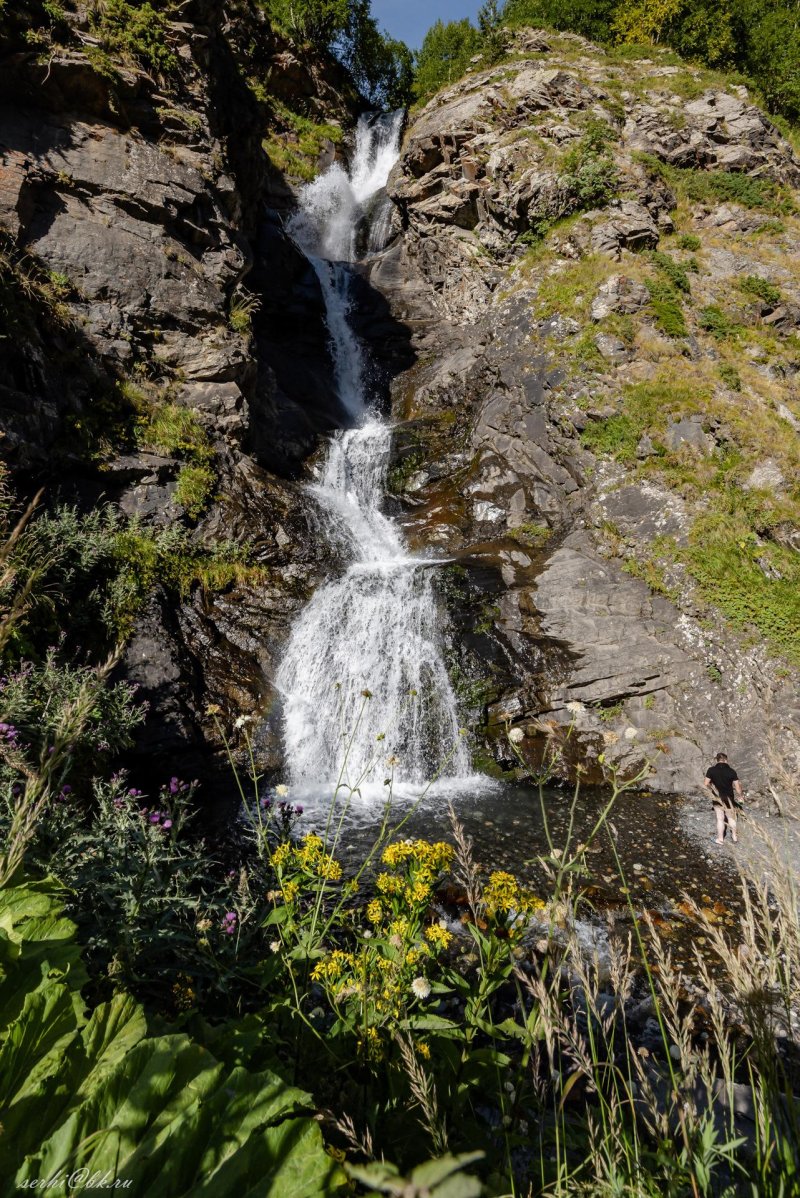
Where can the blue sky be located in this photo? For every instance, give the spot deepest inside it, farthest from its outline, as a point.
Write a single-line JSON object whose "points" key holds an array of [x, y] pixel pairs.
{"points": [[411, 19]]}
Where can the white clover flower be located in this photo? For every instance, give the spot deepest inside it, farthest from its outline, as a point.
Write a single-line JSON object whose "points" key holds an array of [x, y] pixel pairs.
{"points": [[631, 733], [575, 707], [516, 735], [281, 791], [420, 987], [274, 946], [242, 720]]}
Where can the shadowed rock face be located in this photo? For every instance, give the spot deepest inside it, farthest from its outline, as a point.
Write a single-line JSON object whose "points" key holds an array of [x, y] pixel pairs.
{"points": [[150, 204], [557, 611]]}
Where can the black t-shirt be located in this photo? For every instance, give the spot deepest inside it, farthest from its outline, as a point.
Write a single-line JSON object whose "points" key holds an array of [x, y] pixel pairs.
{"points": [[723, 777]]}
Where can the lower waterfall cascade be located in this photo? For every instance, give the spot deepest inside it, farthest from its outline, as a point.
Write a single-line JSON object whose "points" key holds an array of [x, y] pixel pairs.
{"points": [[365, 687]]}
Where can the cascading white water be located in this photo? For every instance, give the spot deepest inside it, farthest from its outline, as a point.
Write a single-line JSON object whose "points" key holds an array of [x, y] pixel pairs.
{"points": [[363, 677]]}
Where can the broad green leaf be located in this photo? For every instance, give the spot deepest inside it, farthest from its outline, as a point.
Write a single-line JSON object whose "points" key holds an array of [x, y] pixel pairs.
{"points": [[432, 1023], [45, 1026], [434, 1172]]}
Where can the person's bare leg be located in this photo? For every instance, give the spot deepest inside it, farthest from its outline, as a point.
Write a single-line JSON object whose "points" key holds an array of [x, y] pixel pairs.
{"points": [[720, 814], [731, 818]]}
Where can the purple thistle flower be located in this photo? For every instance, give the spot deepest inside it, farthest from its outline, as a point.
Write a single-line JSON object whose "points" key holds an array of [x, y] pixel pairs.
{"points": [[155, 817], [167, 823], [299, 809], [174, 786]]}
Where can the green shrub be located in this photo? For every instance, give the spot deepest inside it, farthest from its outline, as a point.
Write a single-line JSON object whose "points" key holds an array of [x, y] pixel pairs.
{"points": [[761, 289], [689, 241], [589, 174], [730, 376], [646, 409], [296, 142], [717, 322], [674, 271], [135, 31], [616, 437], [194, 488], [243, 306], [174, 429], [718, 187], [755, 585], [651, 573], [35, 701], [67, 561], [666, 307]]}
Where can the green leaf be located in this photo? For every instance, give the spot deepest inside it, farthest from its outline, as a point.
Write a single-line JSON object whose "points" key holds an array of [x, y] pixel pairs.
{"points": [[432, 1023]]}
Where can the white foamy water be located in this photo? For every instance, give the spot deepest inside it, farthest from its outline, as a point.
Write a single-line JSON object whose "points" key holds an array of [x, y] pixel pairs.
{"points": [[377, 628]]}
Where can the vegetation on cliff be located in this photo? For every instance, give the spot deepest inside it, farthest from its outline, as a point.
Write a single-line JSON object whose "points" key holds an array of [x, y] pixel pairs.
{"points": [[759, 38]]}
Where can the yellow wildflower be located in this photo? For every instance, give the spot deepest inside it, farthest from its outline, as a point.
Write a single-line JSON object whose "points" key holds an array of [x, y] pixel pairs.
{"points": [[374, 911], [282, 855], [438, 936]]}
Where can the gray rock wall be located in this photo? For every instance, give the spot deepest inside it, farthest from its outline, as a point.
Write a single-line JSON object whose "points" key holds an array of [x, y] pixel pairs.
{"points": [[558, 618]]}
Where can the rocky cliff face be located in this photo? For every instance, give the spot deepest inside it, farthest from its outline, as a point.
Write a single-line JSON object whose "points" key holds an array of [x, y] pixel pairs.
{"points": [[133, 208], [598, 260]]}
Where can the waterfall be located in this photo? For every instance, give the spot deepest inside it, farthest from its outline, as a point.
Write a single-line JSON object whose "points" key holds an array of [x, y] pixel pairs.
{"points": [[365, 688]]}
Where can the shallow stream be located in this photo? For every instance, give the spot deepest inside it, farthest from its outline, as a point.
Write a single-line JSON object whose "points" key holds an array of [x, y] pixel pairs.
{"points": [[640, 859]]}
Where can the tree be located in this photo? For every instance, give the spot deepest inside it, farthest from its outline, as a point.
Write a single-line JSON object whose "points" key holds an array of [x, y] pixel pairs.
{"points": [[490, 22], [590, 18], [445, 54], [769, 36], [382, 67], [313, 20]]}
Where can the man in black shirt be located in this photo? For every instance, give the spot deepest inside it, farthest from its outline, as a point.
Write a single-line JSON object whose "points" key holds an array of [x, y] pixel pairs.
{"points": [[723, 782]]}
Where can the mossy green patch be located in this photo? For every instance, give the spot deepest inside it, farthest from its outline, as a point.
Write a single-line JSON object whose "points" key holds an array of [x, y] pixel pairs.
{"points": [[147, 558], [194, 488], [295, 143], [721, 187], [754, 583], [666, 307], [135, 32]]}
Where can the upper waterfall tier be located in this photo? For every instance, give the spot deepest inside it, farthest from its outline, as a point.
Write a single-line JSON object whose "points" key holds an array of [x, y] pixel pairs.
{"points": [[326, 224], [363, 675]]}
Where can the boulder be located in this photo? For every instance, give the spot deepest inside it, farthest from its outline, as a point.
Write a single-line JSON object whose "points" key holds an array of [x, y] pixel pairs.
{"points": [[629, 227], [619, 294], [688, 433]]}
